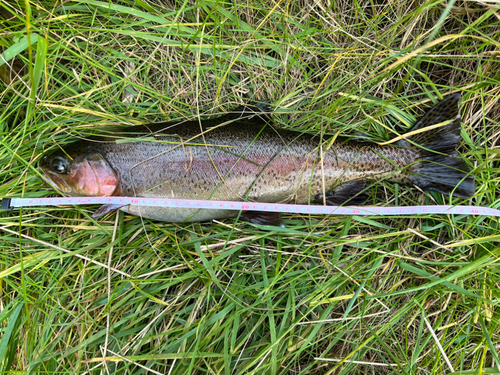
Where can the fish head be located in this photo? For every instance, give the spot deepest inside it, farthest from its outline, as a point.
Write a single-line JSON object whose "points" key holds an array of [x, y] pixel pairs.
{"points": [[84, 175]]}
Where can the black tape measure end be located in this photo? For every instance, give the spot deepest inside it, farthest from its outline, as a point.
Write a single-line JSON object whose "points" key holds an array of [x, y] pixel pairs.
{"points": [[6, 204]]}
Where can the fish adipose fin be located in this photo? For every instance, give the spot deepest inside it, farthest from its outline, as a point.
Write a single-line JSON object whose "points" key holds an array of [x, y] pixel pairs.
{"points": [[350, 193], [440, 168]]}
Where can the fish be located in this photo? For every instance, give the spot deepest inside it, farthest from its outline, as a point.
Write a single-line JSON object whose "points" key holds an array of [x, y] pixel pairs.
{"points": [[243, 156]]}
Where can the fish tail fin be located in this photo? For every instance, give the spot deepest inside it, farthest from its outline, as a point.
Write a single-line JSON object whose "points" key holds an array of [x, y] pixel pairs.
{"points": [[440, 168]]}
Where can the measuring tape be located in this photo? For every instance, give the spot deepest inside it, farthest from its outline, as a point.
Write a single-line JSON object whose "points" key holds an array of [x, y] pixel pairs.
{"points": [[10, 203]]}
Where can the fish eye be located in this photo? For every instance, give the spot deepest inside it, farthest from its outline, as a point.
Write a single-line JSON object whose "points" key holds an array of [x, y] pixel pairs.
{"points": [[59, 165]]}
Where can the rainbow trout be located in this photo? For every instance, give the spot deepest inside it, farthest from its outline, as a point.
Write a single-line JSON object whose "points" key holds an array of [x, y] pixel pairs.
{"points": [[241, 156]]}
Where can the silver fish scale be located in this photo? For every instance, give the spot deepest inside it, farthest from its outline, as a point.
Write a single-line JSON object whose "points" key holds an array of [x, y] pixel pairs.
{"points": [[241, 160]]}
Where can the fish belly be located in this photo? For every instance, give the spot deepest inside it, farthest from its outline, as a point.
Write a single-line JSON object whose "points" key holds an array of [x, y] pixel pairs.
{"points": [[178, 215], [266, 168]]}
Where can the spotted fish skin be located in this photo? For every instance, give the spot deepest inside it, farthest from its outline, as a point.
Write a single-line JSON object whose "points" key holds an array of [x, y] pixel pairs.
{"points": [[243, 157]]}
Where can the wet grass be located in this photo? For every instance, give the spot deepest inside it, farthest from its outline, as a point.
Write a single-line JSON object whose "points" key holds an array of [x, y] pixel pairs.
{"points": [[334, 295]]}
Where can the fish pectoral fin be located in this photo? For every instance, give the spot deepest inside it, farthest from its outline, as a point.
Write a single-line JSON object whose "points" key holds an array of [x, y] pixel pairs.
{"points": [[350, 193], [106, 209], [263, 218]]}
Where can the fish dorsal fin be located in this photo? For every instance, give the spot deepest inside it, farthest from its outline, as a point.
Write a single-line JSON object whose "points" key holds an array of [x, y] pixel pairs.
{"points": [[261, 111], [258, 112]]}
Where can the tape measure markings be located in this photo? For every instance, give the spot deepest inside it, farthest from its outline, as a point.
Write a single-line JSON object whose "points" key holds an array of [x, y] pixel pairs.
{"points": [[9, 203]]}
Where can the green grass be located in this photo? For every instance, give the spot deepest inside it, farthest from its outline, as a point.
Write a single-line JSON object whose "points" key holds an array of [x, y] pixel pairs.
{"points": [[334, 295]]}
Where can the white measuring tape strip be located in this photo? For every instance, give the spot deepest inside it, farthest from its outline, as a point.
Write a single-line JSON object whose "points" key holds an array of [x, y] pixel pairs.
{"points": [[10, 203]]}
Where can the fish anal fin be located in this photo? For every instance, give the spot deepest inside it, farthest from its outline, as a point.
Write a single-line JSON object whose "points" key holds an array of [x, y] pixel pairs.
{"points": [[349, 193], [263, 218]]}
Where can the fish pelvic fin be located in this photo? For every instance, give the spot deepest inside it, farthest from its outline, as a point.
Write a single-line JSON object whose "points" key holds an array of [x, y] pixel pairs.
{"points": [[439, 167]]}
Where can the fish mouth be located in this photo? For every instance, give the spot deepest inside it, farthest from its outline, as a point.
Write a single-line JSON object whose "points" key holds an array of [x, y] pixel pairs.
{"points": [[62, 188], [54, 181]]}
